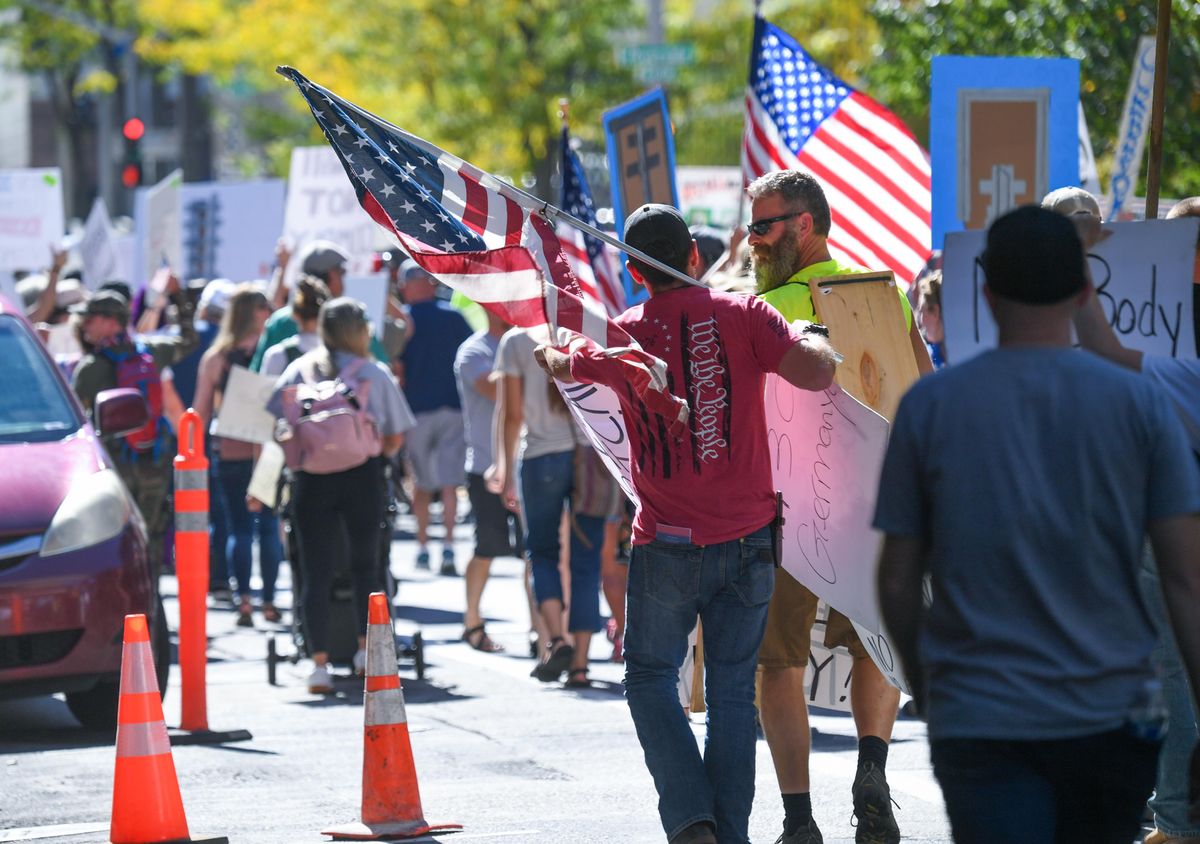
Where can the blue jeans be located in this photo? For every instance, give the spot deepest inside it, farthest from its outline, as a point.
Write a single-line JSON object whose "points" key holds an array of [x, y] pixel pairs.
{"points": [[1169, 802], [218, 566], [729, 586], [1088, 790], [234, 478], [545, 491]]}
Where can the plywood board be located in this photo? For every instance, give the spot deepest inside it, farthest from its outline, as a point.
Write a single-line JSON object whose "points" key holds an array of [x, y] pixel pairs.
{"points": [[866, 325]]}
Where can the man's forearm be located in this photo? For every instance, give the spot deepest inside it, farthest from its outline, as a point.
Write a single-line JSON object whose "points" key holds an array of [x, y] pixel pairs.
{"points": [[1097, 336], [902, 601]]}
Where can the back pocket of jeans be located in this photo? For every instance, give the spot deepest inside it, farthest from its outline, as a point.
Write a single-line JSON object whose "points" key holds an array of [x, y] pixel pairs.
{"points": [[756, 579], [672, 573]]}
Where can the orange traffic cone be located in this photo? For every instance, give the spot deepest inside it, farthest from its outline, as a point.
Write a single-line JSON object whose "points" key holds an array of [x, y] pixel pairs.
{"points": [[147, 807], [391, 803]]}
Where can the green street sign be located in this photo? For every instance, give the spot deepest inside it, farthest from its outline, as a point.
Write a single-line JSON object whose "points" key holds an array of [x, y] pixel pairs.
{"points": [[656, 62]]}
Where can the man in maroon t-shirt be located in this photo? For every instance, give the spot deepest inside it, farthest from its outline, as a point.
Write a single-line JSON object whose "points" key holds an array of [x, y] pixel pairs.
{"points": [[703, 531]]}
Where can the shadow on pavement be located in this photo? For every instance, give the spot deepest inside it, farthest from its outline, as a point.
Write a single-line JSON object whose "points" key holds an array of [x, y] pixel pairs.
{"points": [[348, 691], [426, 615], [38, 724]]}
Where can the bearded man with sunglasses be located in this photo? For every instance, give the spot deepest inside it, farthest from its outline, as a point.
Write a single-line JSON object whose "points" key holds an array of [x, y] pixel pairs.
{"points": [[790, 222]]}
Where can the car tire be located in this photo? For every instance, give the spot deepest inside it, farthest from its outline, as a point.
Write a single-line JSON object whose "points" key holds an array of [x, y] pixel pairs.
{"points": [[96, 708]]}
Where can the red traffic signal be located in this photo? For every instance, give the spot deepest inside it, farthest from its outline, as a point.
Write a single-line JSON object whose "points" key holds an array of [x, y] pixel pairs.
{"points": [[131, 175], [134, 129]]}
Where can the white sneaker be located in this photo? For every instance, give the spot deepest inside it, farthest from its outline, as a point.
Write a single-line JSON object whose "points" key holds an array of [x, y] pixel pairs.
{"points": [[360, 662], [320, 682]]}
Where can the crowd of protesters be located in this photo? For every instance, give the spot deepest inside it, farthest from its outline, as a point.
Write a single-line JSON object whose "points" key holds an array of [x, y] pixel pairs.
{"points": [[1058, 643]]}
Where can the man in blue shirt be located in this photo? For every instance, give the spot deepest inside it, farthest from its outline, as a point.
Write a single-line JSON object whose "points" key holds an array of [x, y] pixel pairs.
{"points": [[436, 447], [1024, 481]]}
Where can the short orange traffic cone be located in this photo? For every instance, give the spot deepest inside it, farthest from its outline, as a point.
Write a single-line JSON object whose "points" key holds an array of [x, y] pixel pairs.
{"points": [[147, 807], [391, 803]]}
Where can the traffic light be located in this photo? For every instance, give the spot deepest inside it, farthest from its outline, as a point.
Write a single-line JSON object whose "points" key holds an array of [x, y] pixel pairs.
{"points": [[131, 168]]}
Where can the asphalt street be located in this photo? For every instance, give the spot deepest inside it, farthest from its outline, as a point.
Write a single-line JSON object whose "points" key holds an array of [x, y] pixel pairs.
{"points": [[512, 759]]}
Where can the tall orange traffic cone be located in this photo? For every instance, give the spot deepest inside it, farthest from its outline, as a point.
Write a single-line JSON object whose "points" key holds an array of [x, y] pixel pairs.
{"points": [[391, 802], [147, 807]]}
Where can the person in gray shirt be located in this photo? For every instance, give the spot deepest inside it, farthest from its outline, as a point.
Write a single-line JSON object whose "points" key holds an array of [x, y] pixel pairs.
{"points": [[1023, 481]]}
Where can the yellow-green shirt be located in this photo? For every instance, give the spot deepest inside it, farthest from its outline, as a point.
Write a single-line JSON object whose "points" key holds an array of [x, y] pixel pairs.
{"points": [[793, 298]]}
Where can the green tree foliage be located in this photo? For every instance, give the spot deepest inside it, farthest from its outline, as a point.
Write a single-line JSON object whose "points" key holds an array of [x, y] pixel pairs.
{"points": [[1102, 34]]}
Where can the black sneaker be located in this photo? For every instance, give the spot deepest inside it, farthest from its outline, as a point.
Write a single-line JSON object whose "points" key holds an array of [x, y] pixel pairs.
{"points": [[697, 833], [557, 661], [873, 807], [807, 834]]}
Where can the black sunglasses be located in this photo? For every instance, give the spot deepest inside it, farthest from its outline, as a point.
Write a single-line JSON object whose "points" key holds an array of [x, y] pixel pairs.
{"points": [[761, 227]]}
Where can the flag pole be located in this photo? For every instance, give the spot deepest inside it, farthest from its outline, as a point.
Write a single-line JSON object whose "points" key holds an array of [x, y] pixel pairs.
{"points": [[1154, 166], [526, 200]]}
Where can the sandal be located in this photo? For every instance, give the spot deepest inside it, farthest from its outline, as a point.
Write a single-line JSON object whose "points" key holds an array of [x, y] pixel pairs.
{"points": [[245, 614], [271, 613], [483, 643], [577, 678], [558, 659]]}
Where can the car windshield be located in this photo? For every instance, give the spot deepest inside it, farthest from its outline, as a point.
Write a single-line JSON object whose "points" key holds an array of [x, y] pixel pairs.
{"points": [[34, 406]]}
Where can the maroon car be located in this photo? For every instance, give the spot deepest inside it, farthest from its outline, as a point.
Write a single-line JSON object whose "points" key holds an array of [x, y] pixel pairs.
{"points": [[72, 542]]}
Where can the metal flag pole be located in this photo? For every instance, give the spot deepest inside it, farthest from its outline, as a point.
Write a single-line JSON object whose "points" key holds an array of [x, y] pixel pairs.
{"points": [[1158, 105], [526, 200]]}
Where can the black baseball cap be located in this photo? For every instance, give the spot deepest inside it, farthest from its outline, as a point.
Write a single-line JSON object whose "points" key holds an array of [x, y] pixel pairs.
{"points": [[104, 303], [661, 232], [1034, 256]]}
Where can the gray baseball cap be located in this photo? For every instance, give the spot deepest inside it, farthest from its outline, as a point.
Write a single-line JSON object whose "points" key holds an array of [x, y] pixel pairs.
{"points": [[321, 256]]}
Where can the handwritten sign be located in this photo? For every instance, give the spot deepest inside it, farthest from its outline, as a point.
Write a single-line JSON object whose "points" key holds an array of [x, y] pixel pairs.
{"points": [[244, 415], [97, 248], [162, 243], [710, 195], [597, 411], [826, 454], [31, 220], [1143, 278], [322, 205]]}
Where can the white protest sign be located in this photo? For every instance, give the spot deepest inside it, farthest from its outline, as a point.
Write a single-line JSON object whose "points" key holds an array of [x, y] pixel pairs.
{"points": [[1143, 278], [31, 220], [372, 291], [244, 415], [1135, 123], [322, 205], [709, 195], [264, 480], [597, 412], [162, 243], [1089, 177], [230, 228], [97, 248]]}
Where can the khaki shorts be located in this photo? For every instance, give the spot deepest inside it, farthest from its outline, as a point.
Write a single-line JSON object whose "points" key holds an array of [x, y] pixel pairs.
{"points": [[790, 619]]}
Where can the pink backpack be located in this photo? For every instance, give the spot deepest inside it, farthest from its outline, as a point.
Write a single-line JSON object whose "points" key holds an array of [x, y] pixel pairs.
{"points": [[331, 430]]}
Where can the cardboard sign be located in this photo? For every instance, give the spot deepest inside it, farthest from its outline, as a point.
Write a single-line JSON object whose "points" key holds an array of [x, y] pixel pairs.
{"points": [[230, 228], [98, 248], [1143, 278], [322, 205], [31, 221], [264, 480], [1003, 132], [244, 415], [162, 240], [1131, 137], [372, 291], [1089, 176], [641, 161], [710, 196]]}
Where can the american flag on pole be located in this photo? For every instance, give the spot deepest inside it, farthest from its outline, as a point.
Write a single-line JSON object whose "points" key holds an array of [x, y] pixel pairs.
{"points": [[476, 234], [799, 116], [591, 261]]}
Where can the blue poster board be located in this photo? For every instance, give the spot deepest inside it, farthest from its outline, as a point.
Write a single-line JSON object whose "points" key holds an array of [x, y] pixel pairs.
{"points": [[1047, 87], [641, 163]]}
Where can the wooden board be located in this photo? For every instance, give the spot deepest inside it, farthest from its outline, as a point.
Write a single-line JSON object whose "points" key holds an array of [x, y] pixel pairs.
{"points": [[866, 325]]}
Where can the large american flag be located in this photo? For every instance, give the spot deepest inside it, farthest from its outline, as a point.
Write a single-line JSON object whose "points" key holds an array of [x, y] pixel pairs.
{"points": [[799, 116], [593, 263], [476, 234]]}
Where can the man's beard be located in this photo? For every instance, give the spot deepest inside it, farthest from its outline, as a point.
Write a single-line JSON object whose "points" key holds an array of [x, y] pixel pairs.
{"points": [[773, 265]]}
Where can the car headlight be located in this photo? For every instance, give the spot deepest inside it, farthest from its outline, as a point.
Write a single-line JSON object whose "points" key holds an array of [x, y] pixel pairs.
{"points": [[97, 508]]}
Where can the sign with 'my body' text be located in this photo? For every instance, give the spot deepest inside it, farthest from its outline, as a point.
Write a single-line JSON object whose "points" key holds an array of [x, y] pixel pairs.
{"points": [[1143, 277]]}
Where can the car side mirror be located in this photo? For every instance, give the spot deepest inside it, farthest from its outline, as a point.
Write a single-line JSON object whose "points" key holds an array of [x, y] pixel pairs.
{"points": [[121, 411]]}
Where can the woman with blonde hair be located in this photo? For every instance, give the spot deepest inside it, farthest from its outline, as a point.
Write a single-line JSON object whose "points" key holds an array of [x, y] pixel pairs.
{"points": [[354, 499], [234, 345]]}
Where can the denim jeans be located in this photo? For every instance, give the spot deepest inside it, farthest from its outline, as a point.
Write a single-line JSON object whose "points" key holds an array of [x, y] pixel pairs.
{"points": [[1088, 790], [545, 491], [234, 477], [728, 586], [218, 566], [1169, 802]]}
